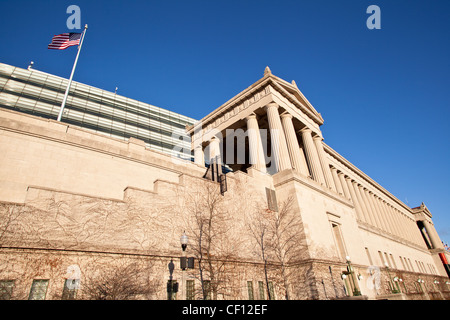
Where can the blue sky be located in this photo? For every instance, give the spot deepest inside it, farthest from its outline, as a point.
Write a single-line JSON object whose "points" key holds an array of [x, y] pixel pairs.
{"points": [[383, 93]]}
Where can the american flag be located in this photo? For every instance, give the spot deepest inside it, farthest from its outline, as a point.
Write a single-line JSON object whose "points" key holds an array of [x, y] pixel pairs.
{"points": [[64, 40]]}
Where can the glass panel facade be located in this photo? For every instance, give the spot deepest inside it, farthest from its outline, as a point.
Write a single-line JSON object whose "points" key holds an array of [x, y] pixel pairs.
{"points": [[41, 94]]}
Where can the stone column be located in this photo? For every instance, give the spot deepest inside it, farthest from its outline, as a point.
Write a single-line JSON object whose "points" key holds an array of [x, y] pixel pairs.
{"points": [[378, 203], [364, 215], [364, 195], [361, 202], [280, 153], [199, 156], [387, 217], [311, 156], [324, 162], [293, 145], [302, 155], [255, 146], [344, 185], [394, 220], [337, 183], [214, 152], [417, 234], [401, 222], [377, 215], [433, 235], [354, 199]]}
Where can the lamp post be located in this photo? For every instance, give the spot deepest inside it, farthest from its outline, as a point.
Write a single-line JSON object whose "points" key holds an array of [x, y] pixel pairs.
{"points": [[170, 285], [184, 242], [350, 272], [393, 290]]}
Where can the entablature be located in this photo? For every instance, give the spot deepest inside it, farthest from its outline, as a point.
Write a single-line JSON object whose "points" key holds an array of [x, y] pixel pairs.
{"points": [[266, 90]]}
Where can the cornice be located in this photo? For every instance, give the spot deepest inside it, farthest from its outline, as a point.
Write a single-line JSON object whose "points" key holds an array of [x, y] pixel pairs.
{"points": [[278, 84], [364, 176]]}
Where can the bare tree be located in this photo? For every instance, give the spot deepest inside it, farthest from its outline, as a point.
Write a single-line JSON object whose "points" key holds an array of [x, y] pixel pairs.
{"points": [[279, 240], [9, 215], [260, 230], [124, 280], [61, 221], [208, 224]]}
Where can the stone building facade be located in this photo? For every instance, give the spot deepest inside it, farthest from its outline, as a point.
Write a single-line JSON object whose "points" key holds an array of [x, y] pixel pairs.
{"points": [[275, 213]]}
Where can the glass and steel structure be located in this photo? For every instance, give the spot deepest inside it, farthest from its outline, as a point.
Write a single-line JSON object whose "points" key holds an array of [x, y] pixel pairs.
{"points": [[40, 94]]}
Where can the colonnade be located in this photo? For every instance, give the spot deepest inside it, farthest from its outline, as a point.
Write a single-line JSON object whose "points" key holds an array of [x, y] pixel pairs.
{"points": [[303, 151], [299, 150], [375, 211]]}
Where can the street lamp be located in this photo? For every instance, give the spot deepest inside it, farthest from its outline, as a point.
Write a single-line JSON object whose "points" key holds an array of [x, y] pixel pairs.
{"points": [[350, 272], [185, 262], [391, 282], [184, 241]]}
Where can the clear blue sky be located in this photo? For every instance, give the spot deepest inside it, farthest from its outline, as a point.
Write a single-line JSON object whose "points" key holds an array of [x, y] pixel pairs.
{"points": [[384, 94]]}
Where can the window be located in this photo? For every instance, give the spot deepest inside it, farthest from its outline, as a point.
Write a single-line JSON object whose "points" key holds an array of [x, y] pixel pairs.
{"points": [[251, 295], [368, 256], [261, 290], [338, 240], [70, 289], [403, 263], [410, 264], [6, 288], [271, 291], [38, 290], [381, 258], [393, 261], [271, 200], [418, 266], [387, 260], [190, 293]]}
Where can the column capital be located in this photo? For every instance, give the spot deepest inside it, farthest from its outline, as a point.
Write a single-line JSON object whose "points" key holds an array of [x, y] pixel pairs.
{"points": [[305, 130], [250, 116], [286, 115], [271, 105], [318, 138]]}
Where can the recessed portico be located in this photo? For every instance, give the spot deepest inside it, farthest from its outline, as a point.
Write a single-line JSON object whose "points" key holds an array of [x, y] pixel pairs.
{"points": [[270, 127]]}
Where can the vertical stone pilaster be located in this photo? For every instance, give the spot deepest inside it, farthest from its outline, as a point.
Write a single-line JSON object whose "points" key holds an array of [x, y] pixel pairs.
{"points": [[344, 185], [324, 163], [337, 182], [376, 214], [359, 194], [387, 217], [355, 200]]}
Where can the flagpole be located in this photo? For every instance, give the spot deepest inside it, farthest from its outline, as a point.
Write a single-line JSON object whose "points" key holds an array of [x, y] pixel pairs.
{"points": [[63, 104]]}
